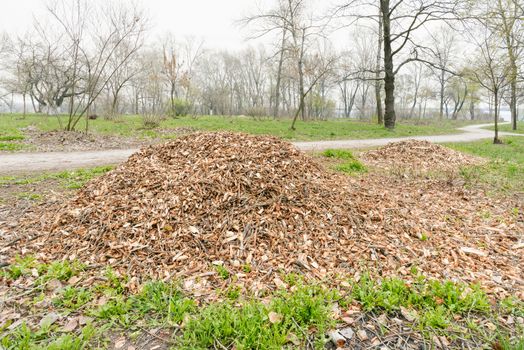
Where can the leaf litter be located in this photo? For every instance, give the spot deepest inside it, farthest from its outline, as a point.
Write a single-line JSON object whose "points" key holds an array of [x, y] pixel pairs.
{"points": [[258, 207]]}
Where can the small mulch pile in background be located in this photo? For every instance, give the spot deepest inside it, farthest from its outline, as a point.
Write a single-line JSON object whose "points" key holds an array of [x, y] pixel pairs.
{"points": [[65, 141], [419, 156], [256, 206]]}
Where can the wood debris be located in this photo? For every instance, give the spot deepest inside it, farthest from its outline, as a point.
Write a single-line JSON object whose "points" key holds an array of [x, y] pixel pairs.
{"points": [[254, 206], [419, 156]]}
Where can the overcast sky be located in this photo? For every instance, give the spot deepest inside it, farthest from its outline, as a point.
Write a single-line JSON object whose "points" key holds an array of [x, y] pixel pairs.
{"points": [[212, 20]]}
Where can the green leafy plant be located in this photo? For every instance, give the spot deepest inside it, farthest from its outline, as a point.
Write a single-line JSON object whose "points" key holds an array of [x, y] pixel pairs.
{"points": [[73, 298], [351, 167], [338, 154]]}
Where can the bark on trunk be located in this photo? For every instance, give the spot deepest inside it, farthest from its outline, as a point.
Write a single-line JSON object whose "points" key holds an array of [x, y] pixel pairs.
{"points": [[378, 83], [25, 105], [441, 93], [279, 75], [389, 78], [496, 98], [301, 110], [513, 102]]}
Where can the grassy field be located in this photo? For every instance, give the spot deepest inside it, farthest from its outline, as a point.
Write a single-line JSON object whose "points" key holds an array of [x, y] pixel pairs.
{"points": [[505, 170], [507, 128], [312, 130]]}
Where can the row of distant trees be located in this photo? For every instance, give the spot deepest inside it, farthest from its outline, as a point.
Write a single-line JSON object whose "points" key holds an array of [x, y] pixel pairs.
{"points": [[404, 57]]}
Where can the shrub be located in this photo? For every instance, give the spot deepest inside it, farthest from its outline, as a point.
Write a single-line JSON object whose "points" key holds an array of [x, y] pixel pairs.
{"points": [[256, 112], [180, 107], [151, 121]]}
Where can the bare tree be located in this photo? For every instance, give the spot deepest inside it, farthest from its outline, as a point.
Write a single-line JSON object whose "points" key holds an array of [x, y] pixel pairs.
{"points": [[122, 77], [417, 73], [347, 84], [172, 70], [298, 31], [401, 20], [506, 17], [492, 71], [112, 27], [457, 91], [442, 50]]}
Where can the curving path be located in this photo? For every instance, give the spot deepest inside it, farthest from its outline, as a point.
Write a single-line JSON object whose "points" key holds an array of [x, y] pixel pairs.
{"points": [[20, 163]]}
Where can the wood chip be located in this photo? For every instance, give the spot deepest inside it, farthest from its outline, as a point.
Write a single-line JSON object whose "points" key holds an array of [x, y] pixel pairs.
{"points": [[173, 209], [474, 251]]}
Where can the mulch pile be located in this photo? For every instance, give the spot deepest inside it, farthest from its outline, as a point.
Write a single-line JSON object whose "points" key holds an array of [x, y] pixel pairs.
{"points": [[258, 206], [418, 156], [59, 140]]}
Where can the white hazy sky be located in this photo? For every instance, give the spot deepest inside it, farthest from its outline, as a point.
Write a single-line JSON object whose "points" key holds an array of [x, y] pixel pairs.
{"points": [[212, 20]]}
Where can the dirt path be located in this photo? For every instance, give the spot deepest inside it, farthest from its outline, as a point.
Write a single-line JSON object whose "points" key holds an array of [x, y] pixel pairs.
{"points": [[21, 163]]}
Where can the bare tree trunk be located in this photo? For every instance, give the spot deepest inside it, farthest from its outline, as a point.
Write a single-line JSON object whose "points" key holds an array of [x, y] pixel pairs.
{"points": [[389, 79], [508, 25], [301, 77], [172, 93], [301, 110], [33, 104], [279, 75], [25, 106], [378, 82], [513, 97], [496, 98], [441, 94]]}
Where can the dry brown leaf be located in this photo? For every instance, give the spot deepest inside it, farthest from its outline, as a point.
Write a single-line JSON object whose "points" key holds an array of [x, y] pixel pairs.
{"points": [[120, 342], [474, 251], [362, 335], [409, 315], [70, 325], [274, 317]]}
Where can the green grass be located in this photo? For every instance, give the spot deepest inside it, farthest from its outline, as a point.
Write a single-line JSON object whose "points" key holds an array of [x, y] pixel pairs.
{"points": [[338, 154], [30, 196], [11, 137], [507, 128], [505, 168], [7, 146], [310, 130], [302, 311], [348, 163], [351, 167], [73, 179]]}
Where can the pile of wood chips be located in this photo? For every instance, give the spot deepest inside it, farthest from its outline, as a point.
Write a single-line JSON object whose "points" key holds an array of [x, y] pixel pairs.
{"points": [[258, 207], [418, 156]]}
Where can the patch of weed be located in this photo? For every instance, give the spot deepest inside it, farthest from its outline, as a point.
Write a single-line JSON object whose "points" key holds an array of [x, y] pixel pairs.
{"points": [[338, 154], [30, 196], [11, 137], [7, 146], [222, 272], [73, 298], [21, 266], [351, 167], [164, 299], [503, 172], [77, 178], [62, 270], [436, 301], [69, 179]]}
